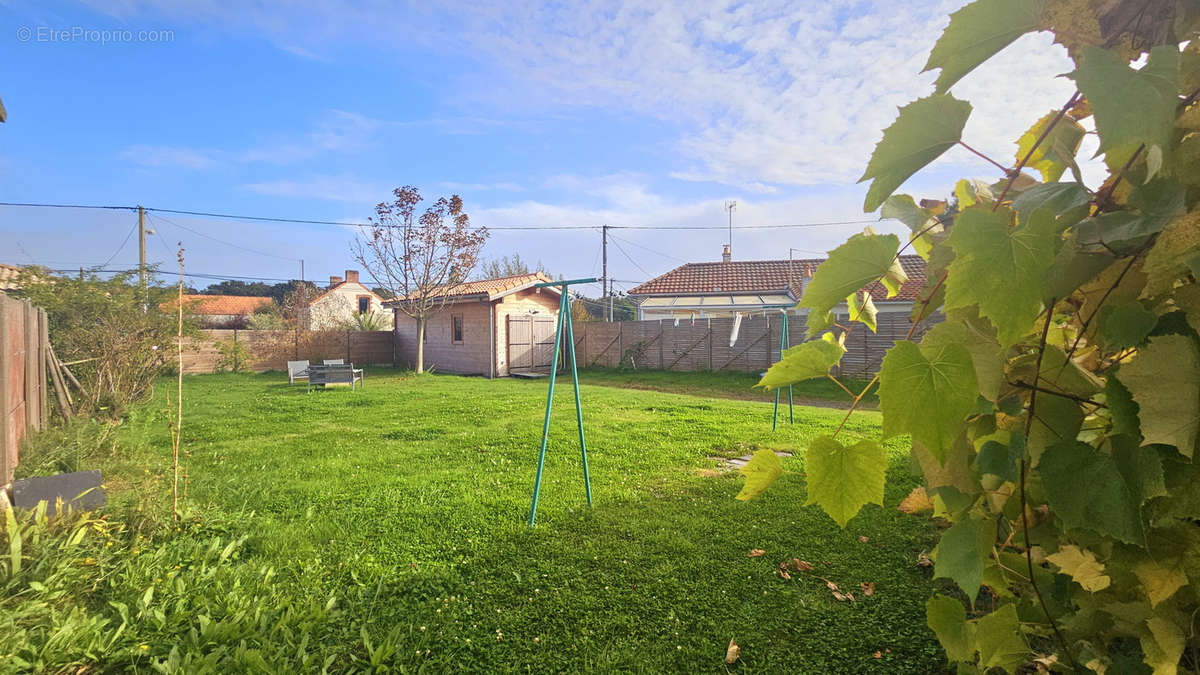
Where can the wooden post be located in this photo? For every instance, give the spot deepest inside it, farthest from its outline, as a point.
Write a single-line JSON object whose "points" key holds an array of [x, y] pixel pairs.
{"points": [[297, 339], [43, 348], [662, 337], [32, 409], [710, 354], [6, 466], [620, 342], [348, 360]]}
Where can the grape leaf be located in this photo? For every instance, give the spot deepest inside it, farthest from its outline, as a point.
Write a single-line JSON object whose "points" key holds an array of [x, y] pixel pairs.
{"points": [[1162, 378], [962, 552], [1131, 107], [761, 471], [1071, 472], [1159, 581], [1061, 198], [805, 361], [924, 130], [1057, 150], [1121, 408], [927, 393], [1163, 644], [999, 459], [1168, 259], [1126, 325], [1082, 566], [999, 270], [862, 259], [1140, 466], [948, 620], [985, 352], [976, 32], [862, 309], [998, 637], [844, 479]]}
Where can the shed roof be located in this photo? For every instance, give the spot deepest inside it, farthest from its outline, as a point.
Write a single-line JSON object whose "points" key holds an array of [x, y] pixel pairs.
{"points": [[493, 289]]}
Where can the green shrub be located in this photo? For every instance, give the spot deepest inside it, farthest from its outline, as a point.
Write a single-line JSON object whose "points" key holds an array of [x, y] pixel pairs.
{"points": [[234, 356]]}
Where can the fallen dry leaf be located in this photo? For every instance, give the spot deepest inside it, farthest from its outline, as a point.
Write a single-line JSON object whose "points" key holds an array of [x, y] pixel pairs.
{"points": [[862, 539], [878, 654], [868, 587], [831, 586], [732, 652], [784, 574], [917, 501], [923, 560], [799, 565], [756, 552]]}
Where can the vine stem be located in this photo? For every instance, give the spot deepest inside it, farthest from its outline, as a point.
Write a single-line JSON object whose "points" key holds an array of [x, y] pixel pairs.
{"points": [[911, 329], [1037, 371], [839, 383], [1012, 176], [994, 163], [1096, 311], [1051, 392]]}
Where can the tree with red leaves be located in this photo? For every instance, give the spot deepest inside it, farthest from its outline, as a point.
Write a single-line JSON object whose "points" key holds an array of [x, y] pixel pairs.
{"points": [[419, 259]]}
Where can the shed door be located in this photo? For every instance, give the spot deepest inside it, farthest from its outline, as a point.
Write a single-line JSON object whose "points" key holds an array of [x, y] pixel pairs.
{"points": [[530, 342]]}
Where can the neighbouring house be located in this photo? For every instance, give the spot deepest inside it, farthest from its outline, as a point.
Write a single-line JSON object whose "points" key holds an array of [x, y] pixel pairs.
{"points": [[9, 277], [221, 311], [491, 327], [730, 287], [341, 301]]}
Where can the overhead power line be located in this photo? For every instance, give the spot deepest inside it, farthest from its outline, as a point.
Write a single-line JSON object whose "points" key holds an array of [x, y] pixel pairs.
{"points": [[222, 241], [304, 221]]}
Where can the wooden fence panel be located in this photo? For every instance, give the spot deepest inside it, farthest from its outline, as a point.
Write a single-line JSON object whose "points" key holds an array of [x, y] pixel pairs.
{"points": [[703, 344], [23, 405], [272, 349]]}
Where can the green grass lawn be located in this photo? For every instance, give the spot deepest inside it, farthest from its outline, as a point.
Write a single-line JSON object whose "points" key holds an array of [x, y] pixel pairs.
{"points": [[400, 509], [822, 392]]}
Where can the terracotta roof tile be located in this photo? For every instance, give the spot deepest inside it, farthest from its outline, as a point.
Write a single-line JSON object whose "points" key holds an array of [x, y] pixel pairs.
{"points": [[758, 276], [495, 287], [8, 277], [222, 304]]}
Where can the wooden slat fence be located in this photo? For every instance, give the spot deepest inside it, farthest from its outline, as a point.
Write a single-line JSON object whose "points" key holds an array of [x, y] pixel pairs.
{"points": [[703, 344], [23, 403], [272, 349]]}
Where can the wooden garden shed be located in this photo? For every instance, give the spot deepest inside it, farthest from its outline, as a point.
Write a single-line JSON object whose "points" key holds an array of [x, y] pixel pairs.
{"points": [[491, 327]]}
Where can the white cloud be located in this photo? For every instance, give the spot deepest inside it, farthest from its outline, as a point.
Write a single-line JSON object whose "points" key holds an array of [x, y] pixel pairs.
{"points": [[762, 94], [339, 131], [329, 188], [166, 156]]}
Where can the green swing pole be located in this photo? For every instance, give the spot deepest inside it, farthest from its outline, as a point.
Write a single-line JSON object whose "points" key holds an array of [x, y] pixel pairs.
{"points": [[783, 344], [587, 480], [564, 318], [537, 483]]}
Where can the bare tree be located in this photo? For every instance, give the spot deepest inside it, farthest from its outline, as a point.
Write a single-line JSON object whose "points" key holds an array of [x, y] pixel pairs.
{"points": [[420, 260]]}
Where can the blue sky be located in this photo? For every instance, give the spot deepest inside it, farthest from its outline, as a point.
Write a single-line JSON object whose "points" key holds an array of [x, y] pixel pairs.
{"points": [[580, 114]]}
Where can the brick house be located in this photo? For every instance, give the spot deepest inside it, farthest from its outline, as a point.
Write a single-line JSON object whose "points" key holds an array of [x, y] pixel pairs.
{"points": [[470, 336], [340, 302], [723, 289]]}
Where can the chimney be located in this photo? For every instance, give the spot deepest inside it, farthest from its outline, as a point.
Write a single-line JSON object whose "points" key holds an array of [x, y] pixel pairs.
{"points": [[726, 256], [334, 280], [351, 276]]}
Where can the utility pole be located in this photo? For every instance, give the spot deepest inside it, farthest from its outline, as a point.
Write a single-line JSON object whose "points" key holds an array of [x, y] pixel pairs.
{"points": [[142, 246], [607, 307]]}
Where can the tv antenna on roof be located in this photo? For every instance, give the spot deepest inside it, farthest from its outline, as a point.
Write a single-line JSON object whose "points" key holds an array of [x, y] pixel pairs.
{"points": [[730, 205]]}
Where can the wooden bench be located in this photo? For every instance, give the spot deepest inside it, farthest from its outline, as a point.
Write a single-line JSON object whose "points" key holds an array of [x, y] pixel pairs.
{"points": [[343, 374]]}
